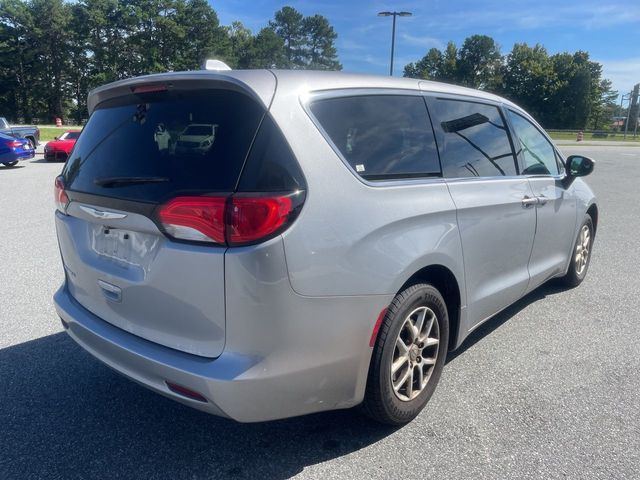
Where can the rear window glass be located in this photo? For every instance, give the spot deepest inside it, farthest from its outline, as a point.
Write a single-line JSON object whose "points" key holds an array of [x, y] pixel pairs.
{"points": [[381, 136], [472, 138], [157, 145]]}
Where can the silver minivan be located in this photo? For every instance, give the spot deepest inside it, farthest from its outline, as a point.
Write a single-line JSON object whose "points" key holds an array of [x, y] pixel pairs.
{"points": [[324, 243]]}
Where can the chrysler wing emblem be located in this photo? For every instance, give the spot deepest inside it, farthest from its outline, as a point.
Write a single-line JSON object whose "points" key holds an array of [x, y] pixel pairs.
{"points": [[102, 213]]}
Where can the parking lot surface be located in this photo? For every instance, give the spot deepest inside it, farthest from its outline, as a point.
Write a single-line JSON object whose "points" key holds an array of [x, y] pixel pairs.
{"points": [[550, 388]]}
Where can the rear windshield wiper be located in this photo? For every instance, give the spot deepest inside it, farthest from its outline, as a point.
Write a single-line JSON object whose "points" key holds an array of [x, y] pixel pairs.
{"points": [[110, 182]]}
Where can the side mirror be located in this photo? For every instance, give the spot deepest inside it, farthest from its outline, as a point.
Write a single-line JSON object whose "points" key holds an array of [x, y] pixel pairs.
{"points": [[55, 138], [577, 166]]}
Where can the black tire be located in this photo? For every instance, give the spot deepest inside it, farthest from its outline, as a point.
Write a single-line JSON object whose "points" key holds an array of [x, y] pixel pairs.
{"points": [[381, 402], [575, 275], [11, 164]]}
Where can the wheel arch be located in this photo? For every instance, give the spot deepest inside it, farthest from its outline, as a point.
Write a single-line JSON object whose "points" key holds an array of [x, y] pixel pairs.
{"points": [[592, 211], [447, 284]]}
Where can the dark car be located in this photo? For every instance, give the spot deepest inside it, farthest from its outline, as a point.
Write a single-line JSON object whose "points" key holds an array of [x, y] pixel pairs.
{"points": [[31, 134], [12, 150]]}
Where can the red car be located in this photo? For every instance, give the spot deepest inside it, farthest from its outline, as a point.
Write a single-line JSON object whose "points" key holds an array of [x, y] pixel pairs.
{"points": [[60, 148]]}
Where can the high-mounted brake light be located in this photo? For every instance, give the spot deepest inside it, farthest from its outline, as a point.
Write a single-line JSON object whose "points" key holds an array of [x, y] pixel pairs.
{"points": [[149, 88], [227, 220], [60, 197]]}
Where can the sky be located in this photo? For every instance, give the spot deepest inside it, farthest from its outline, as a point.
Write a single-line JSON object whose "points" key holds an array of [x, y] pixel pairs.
{"points": [[608, 29]]}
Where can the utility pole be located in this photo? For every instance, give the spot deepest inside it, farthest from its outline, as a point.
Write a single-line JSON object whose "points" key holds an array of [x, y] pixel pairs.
{"points": [[393, 31], [634, 107]]}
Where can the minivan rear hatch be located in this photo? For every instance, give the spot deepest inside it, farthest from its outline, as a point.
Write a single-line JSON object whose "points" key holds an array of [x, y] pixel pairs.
{"points": [[150, 143]]}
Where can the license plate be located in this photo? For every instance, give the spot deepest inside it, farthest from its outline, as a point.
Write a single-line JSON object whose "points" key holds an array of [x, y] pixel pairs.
{"points": [[112, 243]]}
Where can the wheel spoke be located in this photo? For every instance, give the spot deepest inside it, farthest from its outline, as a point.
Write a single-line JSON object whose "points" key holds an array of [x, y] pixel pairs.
{"points": [[397, 385], [410, 383], [401, 346], [430, 342], [420, 322], [429, 361], [420, 376], [398, 363], [429, 327]]}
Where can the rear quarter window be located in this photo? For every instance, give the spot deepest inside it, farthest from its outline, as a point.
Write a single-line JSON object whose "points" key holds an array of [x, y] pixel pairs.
{"points": [[381, 137]]}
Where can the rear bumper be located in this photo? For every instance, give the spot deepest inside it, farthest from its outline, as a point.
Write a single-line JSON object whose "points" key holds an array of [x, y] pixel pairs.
{"points": [[17, 156], [241, 386], [53, 155]]}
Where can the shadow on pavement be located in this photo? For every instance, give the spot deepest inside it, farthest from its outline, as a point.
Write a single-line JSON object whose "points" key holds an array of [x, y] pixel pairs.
{"points": [[550, 288], [65, 415]]}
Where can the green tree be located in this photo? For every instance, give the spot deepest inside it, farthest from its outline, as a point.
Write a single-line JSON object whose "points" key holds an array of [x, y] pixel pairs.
{"points": [[18, 60], [288, 24], [268, 50], [479, 61], [241, 44], [319, 48], [430, 67], [529, 79]]}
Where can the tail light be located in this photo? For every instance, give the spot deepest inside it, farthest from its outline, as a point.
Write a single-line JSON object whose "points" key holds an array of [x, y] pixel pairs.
{"points": [[16, 144], [60, 196], [194, 218], [229, 220]]}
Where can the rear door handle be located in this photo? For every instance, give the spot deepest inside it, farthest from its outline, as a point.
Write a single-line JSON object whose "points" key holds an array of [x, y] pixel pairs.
{"points": [[528, 201]]}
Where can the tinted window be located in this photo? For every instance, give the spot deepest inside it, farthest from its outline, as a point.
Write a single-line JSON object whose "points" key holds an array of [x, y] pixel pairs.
{"points": [[187, 142], [472, 139], [538, 155], [381, 136], [271, 166]]}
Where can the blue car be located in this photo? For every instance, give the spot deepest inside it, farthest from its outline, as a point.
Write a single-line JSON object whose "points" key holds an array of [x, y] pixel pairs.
{"points": [[12, 150]]}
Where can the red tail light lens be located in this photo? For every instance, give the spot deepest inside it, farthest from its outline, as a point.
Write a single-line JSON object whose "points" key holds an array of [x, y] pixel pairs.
{"points": [[16, 144], [59, 195], [230, 220], [195, 218], [253, 218]]}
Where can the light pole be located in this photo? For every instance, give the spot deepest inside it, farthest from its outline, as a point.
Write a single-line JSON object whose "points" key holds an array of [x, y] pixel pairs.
{"points": [[393, 31]]}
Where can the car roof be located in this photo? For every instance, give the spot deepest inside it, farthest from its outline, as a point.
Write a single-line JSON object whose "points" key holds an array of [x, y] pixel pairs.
{"points": [[330, 80], [261, 83]]}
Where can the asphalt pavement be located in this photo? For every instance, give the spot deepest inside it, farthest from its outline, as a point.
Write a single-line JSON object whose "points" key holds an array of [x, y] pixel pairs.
{"points": [[550, 388]]}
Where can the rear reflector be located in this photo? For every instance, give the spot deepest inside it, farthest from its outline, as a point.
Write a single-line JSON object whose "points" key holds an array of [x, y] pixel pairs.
{"points": [[376, 327], [59, 195], [185, 392], [228, 220]]}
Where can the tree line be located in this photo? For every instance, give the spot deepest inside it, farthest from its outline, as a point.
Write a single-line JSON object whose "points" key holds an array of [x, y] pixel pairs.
{"points": [[565, 90], [53, 52]]}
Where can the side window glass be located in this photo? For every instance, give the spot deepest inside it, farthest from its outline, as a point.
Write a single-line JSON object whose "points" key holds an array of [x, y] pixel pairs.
{"points": [[538, 154], [381, 136], [473, 139]]}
